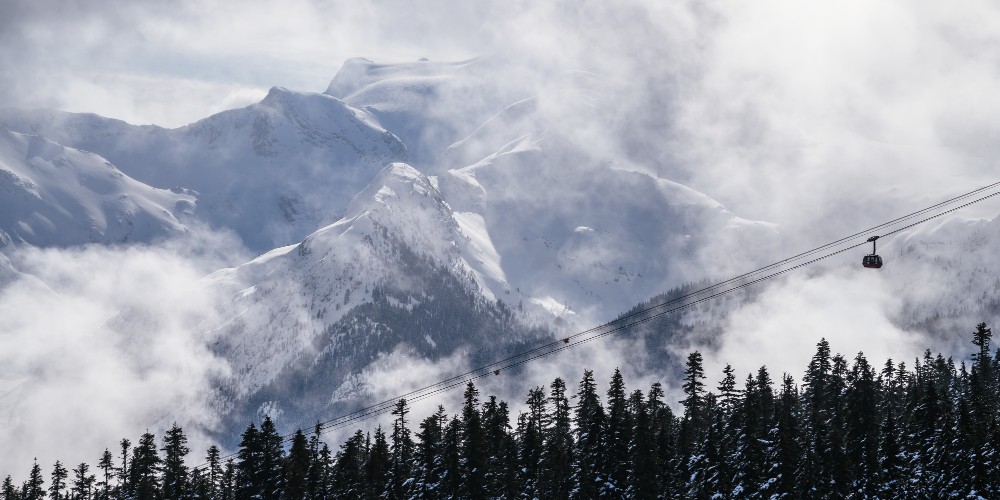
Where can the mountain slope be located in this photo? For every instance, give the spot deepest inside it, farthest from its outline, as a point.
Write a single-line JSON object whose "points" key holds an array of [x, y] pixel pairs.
{"points": [[54, 195], [397, 272], [273, 171]]}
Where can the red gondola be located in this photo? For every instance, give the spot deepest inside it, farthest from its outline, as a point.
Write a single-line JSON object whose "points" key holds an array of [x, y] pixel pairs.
{"points": [[872, 261]]}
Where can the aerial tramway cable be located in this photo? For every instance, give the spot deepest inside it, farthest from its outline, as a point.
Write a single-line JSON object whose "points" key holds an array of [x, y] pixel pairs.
{"points": [[638, 317]]}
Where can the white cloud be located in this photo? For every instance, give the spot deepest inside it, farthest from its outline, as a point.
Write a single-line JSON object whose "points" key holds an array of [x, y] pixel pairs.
{"points": [[99, 344]]}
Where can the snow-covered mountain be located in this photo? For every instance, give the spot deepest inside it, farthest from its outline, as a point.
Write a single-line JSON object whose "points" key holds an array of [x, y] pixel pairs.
{"points": [[273, 172], [59, 196], [399, 272]]}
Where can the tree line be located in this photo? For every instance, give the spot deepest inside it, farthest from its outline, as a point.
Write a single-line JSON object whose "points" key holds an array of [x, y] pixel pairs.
{"points": [[852, 430]]}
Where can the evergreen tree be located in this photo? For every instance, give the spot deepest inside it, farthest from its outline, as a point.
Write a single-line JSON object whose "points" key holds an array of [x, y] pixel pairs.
{"points": [[271, 460], [59, 475], [451, 482], [83, 483], [175, 471], [8, 491], [590, 429], [123, 471], [556, 477], [401, 452], [863, 425], [429, 455], [473, 462], [501, 450], [248, 465], [377, 467], [784, 455], [32, 489], [619, 436], [144, 480], [107, 466], [348, 469], [531, 432], [213, 475], [642, 471], [296, 468]]}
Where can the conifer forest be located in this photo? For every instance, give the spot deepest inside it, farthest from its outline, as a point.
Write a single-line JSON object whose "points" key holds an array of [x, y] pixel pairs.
{"points": [[852, 429]]}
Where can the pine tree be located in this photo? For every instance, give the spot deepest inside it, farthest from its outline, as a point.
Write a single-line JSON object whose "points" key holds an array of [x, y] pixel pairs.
{"points": [[618, 437], [8, 491], [428, 455], [296, 468], [33, 487], [248, 465], [556, 478], [83, 483], [228, 486], [784, 455], [348, 469], [531, 433], [590, 429], [144, 480], [175, 471], [501, 450], [107, 466], [863, 425], [213, 475], [401, 452], [473, 463], [271, 460], [377, 467], [642, 470], [59, 475], [123, 471], [451, 482]]}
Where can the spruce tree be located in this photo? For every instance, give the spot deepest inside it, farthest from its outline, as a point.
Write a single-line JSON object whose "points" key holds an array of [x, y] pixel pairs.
{"points": [[123, 471], [107, 466], [248, 465], [296, 468], [618, 437], [213, 475], [59, 475], [271, 460], [531, 433], [377, 467], [401, 452], [175, 470], [8, 491], [590, 433], [473, 461], [556, 474], [83, 483], [33, 488], [428, 455], [348, 469], [144, 479], [784, 455], [501, 450]]}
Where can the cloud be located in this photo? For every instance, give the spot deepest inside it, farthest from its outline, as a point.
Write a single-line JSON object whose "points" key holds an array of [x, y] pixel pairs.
{"points": [[851, 308], [102, 343]]}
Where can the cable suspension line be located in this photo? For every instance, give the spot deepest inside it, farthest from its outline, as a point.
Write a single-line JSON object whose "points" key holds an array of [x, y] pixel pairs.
{"points": [[638, 317]]}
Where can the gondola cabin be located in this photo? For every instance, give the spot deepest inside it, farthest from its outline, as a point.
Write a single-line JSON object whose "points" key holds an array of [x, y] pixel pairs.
{"points": [[872, 260]]}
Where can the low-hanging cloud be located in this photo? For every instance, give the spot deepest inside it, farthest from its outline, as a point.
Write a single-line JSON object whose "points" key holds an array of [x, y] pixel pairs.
{"points": [[103, 343]]}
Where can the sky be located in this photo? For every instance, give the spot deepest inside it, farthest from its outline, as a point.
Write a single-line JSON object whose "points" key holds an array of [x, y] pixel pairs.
{"points": [[820, 117]]}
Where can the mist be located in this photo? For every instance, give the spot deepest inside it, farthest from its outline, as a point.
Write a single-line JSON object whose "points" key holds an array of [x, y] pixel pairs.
{"points": [[103, 343]]}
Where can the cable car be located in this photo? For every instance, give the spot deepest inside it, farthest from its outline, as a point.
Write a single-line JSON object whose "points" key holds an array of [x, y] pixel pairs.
{"points": [[872, 261]]}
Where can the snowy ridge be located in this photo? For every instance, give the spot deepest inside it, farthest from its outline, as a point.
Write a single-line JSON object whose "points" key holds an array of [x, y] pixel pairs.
{"points": [[59, 196], [292, 295], [273, 171]]}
